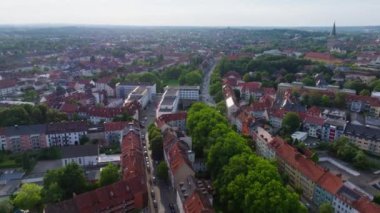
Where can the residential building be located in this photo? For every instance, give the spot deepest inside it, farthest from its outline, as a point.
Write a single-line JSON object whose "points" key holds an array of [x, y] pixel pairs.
{"points": [[327, 187], [193, 196], [332, 129], [262, 140], [334, 114], [313, 126], [114, 131], [364, 137], [65, 133], [303, 173], [7, 87], [83, 155], [175, 120], [22, 138]]}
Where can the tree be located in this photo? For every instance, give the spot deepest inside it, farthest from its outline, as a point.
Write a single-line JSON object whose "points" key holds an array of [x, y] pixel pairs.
{"points": [[162, 171], [6, 206], [109, 174], [361, 161], [340, 100], [291, 122], [155, 142], [246, 183], [315, 157], [326, 208], [325, 101], [225, 148], [365, 92], [308, 81], [376, 199], [28, 197], [61, 184]]}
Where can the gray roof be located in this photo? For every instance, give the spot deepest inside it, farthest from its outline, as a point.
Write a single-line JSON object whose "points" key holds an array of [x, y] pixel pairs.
{"points": [[363, 132], [24, 130], [63, 127], [79, 151]]}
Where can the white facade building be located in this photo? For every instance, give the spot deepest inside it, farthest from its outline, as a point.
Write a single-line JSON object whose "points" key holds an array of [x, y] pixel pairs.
{"points": [[86, 155]]}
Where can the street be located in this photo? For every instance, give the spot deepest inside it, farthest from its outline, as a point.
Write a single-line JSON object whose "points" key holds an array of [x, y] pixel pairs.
{"points": [[205, 87], [158, 191]]}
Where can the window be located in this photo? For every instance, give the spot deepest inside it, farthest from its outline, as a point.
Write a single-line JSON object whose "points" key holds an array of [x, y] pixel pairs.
{"points": [[80, 161]]}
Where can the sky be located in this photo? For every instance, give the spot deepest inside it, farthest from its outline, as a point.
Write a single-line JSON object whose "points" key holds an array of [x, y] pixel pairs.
{"points": [[192, 12]]}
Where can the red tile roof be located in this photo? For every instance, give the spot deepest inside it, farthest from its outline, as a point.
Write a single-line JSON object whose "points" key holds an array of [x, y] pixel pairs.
{"points": [[330, 182], [69, 108], [177, 158], [99, 200], [364, 205], [298, 161], [104, 112], [234, 74], [279, 113], [314, 120], [173, 117], [250, 86], [196, 203], [132, 158], [115, 126], [314, 110]]}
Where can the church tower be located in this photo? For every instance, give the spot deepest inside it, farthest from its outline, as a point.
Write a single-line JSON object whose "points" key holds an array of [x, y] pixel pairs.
{"points": [[333, 32]]}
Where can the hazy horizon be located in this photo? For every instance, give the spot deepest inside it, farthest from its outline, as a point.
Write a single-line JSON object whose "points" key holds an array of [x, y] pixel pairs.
{"points": [[195, 13]]}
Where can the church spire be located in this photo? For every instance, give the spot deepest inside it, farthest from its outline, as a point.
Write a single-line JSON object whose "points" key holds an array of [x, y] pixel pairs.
{"points": [[333, 32]]}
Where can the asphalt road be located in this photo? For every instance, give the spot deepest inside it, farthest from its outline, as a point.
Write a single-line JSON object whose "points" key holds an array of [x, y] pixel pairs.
{"points": [[205, 87]]}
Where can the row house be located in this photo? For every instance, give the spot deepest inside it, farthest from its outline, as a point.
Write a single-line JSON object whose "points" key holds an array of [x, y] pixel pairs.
{"points": [[364, 137], [317, 184], [132, 165], [192, 195], [326, 189], [302, 172], [22, 138], [65, 133]]}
